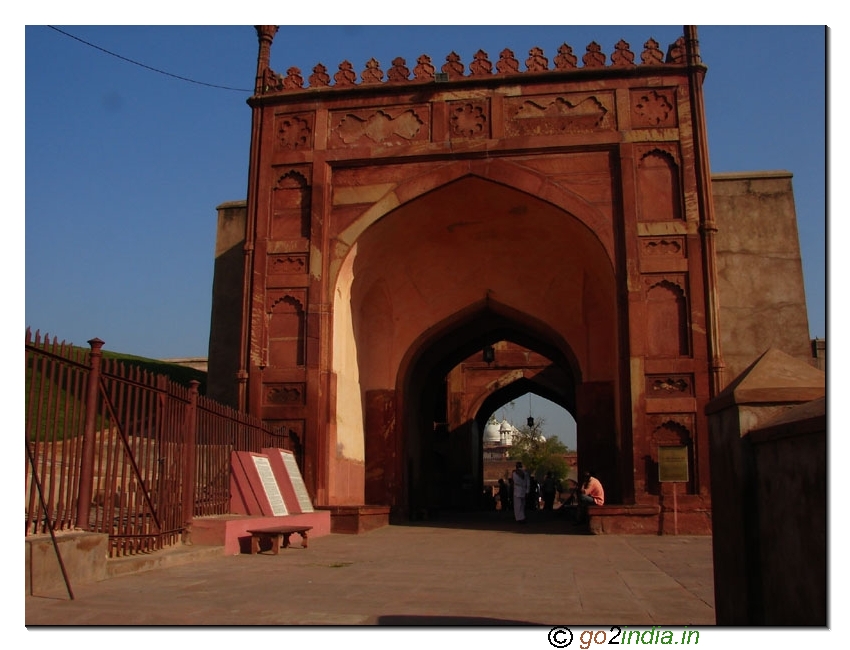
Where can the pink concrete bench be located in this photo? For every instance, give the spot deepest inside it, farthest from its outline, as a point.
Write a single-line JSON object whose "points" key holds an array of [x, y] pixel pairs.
{"points": [[275, 535]]}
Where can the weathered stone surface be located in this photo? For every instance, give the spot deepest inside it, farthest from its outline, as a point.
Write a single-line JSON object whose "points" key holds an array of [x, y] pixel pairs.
{"points": [[83, 557], [766, 486], [760, 275]]}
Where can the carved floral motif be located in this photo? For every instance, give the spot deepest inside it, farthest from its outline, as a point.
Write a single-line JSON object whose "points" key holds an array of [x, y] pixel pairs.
{"points": [[536, 62], [669, 386], [481, 66], [398, 71], [285, 394], [622, 57], [560, 114], [293, 79], [294, 132], [272, 81], [423, 71], [346, 75], [320, 77], [594, 58], [664, 247], [287, 264], [507, 63], [453, 67], [651, 54], [653, 108], [676, 53], [469, 120], [373, 73], [380, 127], [565, 60]]}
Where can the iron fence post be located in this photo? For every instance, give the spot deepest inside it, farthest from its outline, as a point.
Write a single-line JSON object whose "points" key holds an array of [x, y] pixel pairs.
{"points": [[84, 493], [189, 462]]}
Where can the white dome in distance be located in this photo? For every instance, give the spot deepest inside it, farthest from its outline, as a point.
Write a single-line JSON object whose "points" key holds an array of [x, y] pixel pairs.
{"points": [[491, 432]]}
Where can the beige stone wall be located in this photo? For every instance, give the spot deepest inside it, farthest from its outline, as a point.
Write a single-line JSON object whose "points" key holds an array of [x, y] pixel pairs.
{"points": [[227, 290], [760, 274]]}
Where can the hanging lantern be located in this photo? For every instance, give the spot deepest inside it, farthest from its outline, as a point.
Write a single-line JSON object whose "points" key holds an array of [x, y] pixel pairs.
{"points": [[489, 354], [530, 422]]}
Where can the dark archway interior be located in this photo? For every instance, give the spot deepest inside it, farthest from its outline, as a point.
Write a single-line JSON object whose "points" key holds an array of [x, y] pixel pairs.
{"points": [[444, 462]]}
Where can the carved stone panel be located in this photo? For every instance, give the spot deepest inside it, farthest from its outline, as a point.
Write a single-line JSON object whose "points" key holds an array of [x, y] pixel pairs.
{"points": [[469, 119], [291, 205], [670, 385], [667, 322], [286, 328], [659, 185], [559, 114], [293, 132], [654, 108], [663, 247], [287, 264], [284, 394], [387, 126]]}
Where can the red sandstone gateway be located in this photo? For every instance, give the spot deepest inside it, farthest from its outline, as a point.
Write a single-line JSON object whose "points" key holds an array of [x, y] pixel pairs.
{"points": [[352, 299]]}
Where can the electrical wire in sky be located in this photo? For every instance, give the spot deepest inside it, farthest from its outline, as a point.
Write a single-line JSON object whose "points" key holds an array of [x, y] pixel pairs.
{"points": [[147, 67]]}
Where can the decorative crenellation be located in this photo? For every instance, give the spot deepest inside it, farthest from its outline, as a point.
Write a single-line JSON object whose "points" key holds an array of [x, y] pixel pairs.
{"points": [[481, 66]]}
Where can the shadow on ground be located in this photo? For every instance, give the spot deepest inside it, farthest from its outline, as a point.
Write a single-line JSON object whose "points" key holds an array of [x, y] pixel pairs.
{"points": [[537, 522], [421, 621]]}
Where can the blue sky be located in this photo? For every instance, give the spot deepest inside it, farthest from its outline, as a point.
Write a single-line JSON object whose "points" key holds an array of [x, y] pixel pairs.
{"points": [[126, 165]]}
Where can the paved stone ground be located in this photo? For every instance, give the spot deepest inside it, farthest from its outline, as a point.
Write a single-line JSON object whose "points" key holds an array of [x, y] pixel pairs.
{"points": [[465, 571]]}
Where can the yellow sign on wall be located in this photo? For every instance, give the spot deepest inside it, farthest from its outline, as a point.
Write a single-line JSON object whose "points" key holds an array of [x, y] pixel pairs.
{"points": [[673, 464]]}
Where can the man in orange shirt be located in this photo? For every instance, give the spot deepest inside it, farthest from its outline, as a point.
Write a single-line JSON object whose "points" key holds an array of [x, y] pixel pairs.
{"points": [[592, 494]]}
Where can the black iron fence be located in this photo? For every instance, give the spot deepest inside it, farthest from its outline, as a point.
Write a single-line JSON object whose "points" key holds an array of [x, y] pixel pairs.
{"points": [[116, 449]]}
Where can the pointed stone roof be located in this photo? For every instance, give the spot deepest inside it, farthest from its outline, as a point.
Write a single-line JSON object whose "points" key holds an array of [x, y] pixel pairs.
{"points": [[775, 377], [797, 420]]}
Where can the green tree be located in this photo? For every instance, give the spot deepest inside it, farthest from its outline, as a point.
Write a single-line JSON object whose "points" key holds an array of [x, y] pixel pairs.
{"points": [[539, 454]]}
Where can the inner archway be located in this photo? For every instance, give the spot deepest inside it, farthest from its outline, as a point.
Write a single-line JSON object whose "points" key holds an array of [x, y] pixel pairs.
{"points": [[443, 422]]}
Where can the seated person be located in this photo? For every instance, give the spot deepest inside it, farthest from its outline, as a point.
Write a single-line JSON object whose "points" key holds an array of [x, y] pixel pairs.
{"points": [[591, 494]]}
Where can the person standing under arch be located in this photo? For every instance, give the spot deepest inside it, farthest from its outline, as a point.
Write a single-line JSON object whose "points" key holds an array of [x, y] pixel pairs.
{"points": [[521, 486], [548, 489]]}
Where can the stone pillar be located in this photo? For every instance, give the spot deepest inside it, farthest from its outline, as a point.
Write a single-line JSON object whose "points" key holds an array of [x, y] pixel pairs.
{"points": [[596, 425], [383, 475]]}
